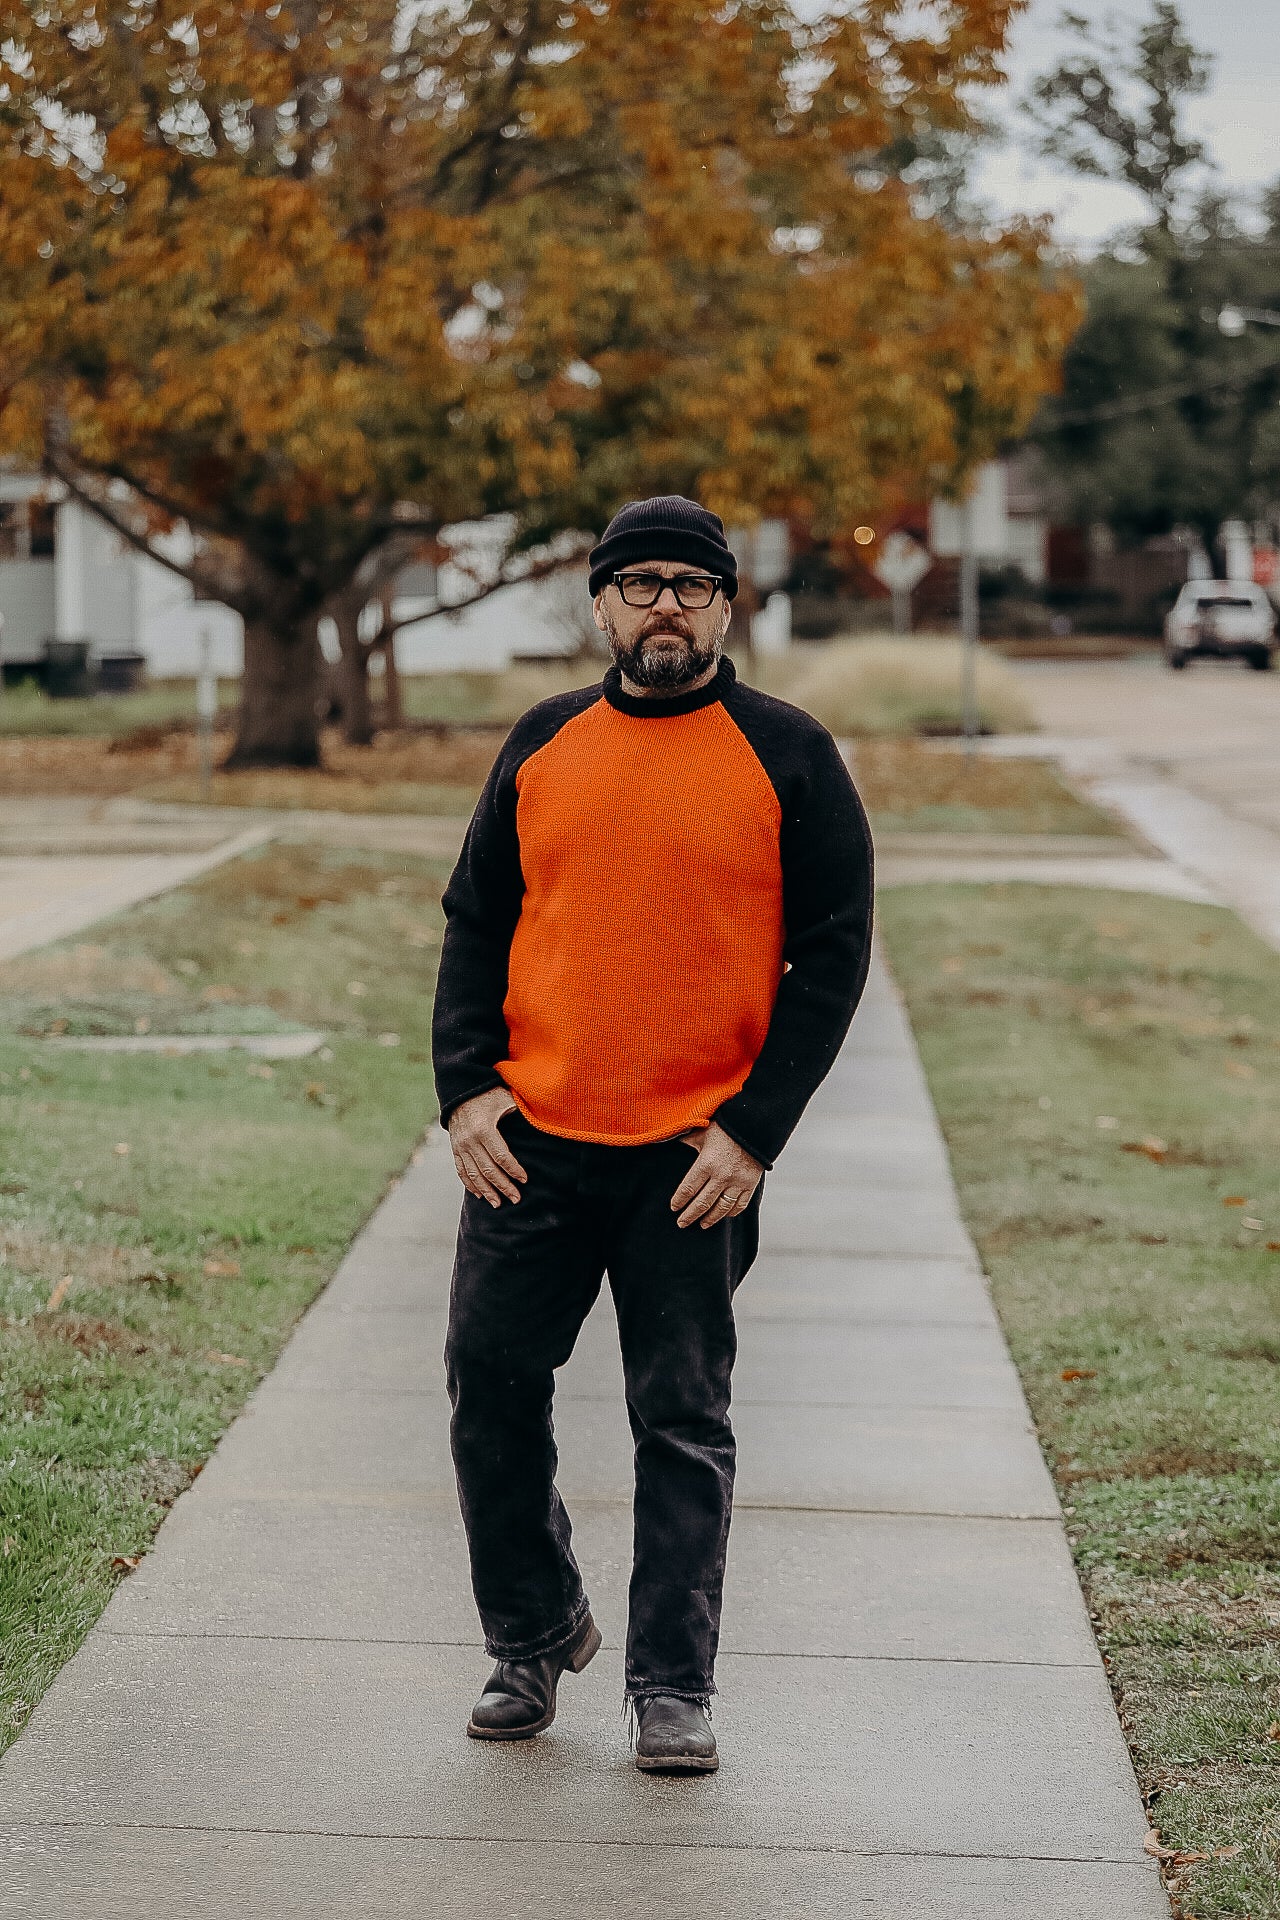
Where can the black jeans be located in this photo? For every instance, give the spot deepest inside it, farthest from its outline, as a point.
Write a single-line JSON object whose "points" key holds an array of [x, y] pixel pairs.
{"points": [[525, 1278]]}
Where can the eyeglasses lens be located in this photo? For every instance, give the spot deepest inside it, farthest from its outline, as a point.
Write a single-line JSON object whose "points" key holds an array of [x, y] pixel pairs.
{"points": [[693, 591]]}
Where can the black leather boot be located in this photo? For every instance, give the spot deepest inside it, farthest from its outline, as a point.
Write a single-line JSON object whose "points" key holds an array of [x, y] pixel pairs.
{"points": [[674, 1736], [519, 1697]]}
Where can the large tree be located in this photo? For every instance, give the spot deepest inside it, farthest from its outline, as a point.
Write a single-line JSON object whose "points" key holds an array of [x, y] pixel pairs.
{"points": [[1163, 420], [312, 279]]}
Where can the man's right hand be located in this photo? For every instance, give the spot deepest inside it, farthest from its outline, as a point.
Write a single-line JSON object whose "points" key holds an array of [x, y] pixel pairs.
{"points": [[486, 1165]]}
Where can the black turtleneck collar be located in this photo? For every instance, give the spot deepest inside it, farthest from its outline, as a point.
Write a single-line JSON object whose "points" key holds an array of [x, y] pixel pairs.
{"points": [[663, 706]]}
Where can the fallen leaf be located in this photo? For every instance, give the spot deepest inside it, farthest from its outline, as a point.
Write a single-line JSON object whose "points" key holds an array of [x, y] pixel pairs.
{"points": [[127, 1561], [142, 1024], [1228, 1853], [59, 1293], [1150, 1148], [218, 996], [1273, 1246], [1240, 1070], [1188, 1859], [1106, 1121], [262, 1073], [1079, 1373], [357, 988], [1235, 1200], [1152, 1845], [121, 1146], [1273, 1731], [1251, 1226], [1112, 929], [388, 1039], [222, 1269], [225, 1359]]}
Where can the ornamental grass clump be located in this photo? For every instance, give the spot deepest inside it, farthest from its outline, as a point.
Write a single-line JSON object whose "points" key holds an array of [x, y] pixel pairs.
{"points": [[887, 686]]}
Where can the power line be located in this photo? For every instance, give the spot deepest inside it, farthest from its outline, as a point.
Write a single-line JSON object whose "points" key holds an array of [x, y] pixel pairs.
{"points": [[1163, 396]]}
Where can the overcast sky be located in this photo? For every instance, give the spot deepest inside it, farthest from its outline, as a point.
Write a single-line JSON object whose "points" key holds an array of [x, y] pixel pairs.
{"points": [[1239, 118]]}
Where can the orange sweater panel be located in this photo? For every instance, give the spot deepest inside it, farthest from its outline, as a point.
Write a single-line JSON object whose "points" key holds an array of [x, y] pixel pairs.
{"points": [[648, 952]]}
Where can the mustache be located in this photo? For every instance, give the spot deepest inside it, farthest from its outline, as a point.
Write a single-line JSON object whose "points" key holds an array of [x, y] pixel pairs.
{"points": [[664, 623]]}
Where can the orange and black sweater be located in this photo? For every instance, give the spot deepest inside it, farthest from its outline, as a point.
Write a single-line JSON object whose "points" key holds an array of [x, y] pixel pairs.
{"points": [[661, 916]]}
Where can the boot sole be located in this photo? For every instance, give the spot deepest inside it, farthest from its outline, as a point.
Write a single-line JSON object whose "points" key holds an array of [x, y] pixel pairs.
{"points": [[581, 1657], [688, 1763]]}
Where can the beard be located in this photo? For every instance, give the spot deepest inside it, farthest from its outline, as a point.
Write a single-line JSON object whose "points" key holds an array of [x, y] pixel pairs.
{"points": [[665, 655]]}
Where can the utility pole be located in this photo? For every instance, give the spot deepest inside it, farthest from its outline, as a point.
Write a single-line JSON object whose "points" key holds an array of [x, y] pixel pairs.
{"points": [[206, 712], [969, 631]]}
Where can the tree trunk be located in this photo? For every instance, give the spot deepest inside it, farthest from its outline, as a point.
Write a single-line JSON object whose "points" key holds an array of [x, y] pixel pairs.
{"points": [[392, 693], [353, 678], [279, 721]]}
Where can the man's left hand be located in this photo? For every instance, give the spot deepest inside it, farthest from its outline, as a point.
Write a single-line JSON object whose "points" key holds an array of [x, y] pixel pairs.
{"points": [[720, 1182]]}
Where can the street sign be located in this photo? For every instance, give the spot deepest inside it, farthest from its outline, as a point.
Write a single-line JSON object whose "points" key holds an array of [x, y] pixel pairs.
{"points": [[901, 563]]}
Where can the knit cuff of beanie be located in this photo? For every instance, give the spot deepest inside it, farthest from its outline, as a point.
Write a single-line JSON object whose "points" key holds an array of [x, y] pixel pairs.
{"points": [[666, 528]]}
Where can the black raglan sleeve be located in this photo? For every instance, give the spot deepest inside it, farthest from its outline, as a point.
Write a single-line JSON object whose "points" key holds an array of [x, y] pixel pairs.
{"points": [[482, 905], [827, 894]]}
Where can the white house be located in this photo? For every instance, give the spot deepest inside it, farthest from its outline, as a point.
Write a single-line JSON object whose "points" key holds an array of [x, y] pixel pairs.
{"points": [[65, 575]]}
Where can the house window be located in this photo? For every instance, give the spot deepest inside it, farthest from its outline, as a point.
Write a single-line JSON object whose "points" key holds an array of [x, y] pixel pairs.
{"points": [[26, 530], [42, 521]]}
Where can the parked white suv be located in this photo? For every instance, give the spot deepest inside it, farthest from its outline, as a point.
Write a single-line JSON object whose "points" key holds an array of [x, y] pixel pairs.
{"points": [[1222, 619]]}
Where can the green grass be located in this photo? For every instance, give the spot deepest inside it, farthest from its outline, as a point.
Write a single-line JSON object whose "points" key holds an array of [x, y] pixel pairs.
{"points": [[1107, 1071], [192, 1254], [25, 710]]}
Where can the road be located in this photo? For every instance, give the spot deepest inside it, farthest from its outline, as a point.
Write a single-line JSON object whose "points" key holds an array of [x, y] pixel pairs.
{"points": [[1214, 729], [1191, 759]]}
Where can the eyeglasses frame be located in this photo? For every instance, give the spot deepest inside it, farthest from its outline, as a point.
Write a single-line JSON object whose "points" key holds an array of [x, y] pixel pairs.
{"points": [[672, 581]]}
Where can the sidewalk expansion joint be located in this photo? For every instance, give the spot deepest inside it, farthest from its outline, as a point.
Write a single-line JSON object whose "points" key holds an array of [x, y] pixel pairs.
{"points": [[606, 1646], [700, 1845]]}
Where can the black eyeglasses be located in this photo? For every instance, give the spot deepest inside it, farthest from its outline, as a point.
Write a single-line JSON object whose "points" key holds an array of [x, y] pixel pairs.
{"points": [[692, 590]]}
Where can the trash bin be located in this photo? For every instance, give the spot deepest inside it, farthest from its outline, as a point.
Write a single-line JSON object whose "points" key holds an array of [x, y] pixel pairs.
{"points": [[121, 672], [67, 674]]}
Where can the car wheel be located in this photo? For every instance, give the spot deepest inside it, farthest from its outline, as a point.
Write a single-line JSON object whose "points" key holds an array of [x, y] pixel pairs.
{"points": [[1260, 659], [1176, 659]]}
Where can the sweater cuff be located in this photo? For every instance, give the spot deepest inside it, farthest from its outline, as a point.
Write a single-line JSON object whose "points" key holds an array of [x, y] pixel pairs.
{"points": [[741, 1138]]}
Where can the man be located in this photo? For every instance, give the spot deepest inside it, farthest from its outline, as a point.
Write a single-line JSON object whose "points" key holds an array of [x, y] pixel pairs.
{"points": [[658, 931]]}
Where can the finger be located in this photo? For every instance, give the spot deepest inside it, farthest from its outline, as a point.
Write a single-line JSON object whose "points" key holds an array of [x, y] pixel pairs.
{"points": [[500, 1153], [478, 1182], [489, 1171], [701, 1203], [694, 1180], [725, 1205]]}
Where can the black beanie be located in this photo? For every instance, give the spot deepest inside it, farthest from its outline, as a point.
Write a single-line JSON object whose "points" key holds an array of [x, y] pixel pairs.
{"points": [[666, 528]]}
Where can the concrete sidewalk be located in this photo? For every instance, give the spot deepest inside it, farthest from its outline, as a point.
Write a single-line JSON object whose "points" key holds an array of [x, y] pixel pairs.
{"points": [[66, 863], [47, 896], [914, 1721]]}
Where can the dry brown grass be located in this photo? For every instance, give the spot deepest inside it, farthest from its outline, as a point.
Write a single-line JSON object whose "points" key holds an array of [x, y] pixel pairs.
{"points": [[906, 784], [438, 771]]}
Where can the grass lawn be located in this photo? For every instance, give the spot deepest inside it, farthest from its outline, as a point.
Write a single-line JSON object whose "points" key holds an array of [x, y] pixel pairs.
{"points": [[1107, 1071], [909, 787], [164, 1220]]}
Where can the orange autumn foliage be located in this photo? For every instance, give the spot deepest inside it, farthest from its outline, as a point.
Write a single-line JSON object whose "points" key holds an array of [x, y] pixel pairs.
{"points": [[310, 278]]}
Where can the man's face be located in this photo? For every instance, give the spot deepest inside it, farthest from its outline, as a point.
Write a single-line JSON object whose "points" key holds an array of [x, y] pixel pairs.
{"points": [[664, 645]]}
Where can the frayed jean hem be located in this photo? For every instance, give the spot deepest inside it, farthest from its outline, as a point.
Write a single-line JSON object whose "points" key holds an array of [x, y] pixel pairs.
{"points": [[547, 1643]]}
